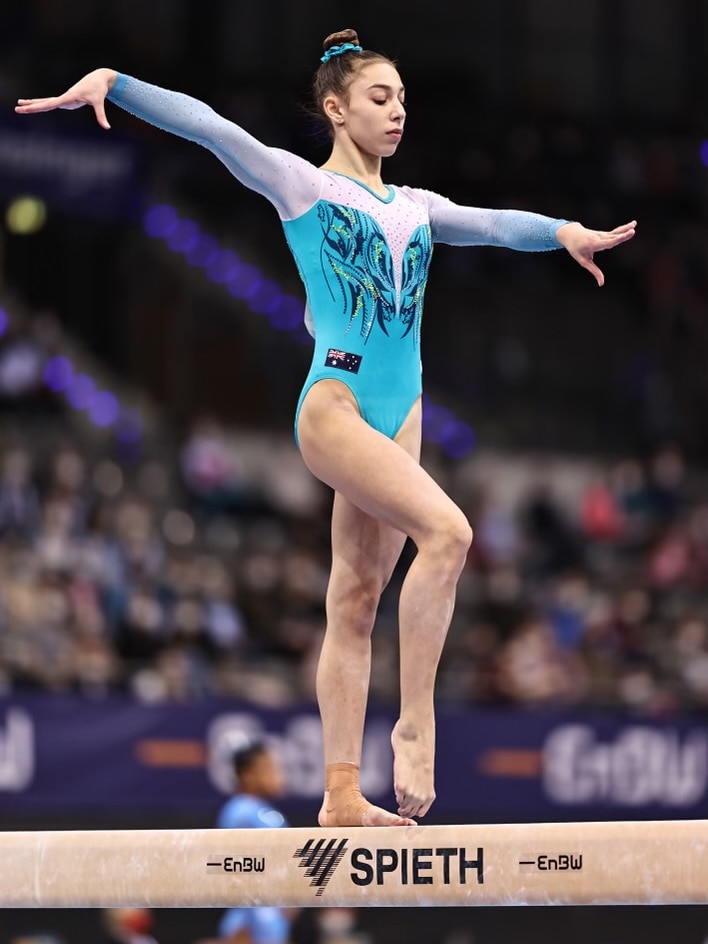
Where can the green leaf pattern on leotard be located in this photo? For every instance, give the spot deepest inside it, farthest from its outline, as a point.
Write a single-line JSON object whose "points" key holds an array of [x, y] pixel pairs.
{"points": [[416, 261], [357, 258]]}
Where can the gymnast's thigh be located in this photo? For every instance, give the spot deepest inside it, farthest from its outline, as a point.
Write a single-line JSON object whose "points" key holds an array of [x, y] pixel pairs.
{"points": [[382, 477]]}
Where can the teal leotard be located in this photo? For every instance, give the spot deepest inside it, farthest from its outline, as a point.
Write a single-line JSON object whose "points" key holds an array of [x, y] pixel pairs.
{"points": [[364, 261], [363, 258]]}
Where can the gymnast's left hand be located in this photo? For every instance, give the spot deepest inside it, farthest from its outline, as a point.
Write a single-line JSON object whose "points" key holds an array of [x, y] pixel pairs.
{"points": [[582, 243]]}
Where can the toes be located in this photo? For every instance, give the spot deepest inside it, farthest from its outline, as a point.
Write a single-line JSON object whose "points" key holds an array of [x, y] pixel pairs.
{"points": [[408, 807], [413, 806], [426, 805]]}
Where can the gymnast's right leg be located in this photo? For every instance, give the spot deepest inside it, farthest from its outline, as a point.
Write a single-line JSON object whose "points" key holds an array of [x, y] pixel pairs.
{"points": [[364, 554]]}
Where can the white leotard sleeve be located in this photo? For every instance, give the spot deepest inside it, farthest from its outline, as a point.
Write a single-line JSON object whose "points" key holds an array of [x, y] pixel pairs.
{"points": [[472, 226], [290, 183]]}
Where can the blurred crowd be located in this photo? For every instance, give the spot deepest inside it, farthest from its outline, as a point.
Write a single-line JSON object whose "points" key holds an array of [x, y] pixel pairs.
{"points": [[591, 590], [109, 584], [173, 580]]}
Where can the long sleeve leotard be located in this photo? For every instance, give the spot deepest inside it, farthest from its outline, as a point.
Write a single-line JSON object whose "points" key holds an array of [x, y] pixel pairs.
{"points": [[363, 257]]}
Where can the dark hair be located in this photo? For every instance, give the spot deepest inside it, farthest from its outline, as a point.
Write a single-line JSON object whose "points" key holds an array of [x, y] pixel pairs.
{"points": [[336, 75], [243, 756]]}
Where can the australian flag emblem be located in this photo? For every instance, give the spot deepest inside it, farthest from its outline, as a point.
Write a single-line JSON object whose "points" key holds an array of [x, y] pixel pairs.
{"points": [[343, 360]]}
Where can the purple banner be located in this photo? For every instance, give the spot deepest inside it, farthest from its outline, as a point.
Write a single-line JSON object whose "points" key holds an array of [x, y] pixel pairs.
{"points": [[62, 754], [82, 172]]}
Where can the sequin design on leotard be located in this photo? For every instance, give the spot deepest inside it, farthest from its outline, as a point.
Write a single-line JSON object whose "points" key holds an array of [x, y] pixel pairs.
{"points": [[416, 261], [364, 261], [360, 271]]}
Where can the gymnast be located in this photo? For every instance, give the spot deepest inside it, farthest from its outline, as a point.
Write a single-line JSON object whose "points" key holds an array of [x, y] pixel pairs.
{"points": [[362, 248]]}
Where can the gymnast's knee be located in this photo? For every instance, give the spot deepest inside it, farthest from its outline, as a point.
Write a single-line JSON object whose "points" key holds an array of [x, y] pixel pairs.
{"points": [[452, 538]]}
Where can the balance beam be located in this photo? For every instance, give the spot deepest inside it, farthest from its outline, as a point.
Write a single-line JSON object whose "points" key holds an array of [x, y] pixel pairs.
{"points": [[662, 862]]}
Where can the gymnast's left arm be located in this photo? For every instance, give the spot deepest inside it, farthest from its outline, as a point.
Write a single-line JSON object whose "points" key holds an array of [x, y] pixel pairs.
{"points": [[518, 229]]}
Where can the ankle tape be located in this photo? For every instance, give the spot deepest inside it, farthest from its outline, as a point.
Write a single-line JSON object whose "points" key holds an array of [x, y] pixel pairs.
{"points": [[344, 798]]}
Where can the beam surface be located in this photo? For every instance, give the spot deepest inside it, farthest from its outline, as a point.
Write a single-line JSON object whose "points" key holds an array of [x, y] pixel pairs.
{"points": [[660, 862]]}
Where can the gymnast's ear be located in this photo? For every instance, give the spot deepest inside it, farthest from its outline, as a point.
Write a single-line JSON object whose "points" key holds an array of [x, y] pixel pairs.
{"points": [[332, 108]]}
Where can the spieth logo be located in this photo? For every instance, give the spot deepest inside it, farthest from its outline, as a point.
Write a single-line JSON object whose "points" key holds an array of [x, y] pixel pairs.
{"points": [[320, 859]]}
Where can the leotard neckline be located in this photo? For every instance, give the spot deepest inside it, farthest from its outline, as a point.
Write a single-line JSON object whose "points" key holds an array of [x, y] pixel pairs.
{"points": [[387, 199]]}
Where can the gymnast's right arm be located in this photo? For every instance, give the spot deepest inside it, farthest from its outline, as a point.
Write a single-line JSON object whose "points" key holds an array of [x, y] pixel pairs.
{"points": [[289, 182]]}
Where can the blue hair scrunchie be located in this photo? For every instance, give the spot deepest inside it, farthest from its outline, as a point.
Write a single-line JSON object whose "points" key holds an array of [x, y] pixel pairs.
{"points": [[338, 50]]}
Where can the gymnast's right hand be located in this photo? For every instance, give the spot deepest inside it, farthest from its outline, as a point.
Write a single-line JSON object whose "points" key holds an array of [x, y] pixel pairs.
{"points": [[91, 90]]}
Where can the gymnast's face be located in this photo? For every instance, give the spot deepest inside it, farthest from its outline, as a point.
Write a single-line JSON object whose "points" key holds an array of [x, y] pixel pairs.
{"points": [[373, 114]]}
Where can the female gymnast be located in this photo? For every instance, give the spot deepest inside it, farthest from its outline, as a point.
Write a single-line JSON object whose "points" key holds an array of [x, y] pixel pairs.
{"points": [[362, 248]]}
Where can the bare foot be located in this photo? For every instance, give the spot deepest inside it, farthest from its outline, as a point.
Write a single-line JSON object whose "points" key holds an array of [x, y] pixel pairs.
{"points": [[413, 767], [364, 814]]}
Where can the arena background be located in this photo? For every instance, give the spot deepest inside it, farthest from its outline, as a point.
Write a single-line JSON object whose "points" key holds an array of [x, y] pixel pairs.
{"points": [[163, 551]]}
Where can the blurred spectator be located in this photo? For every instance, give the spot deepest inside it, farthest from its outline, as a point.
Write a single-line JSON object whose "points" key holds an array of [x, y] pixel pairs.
{"points": [[667, 485], [330, 926], [258, 783], [534, 670], [497, 538], [212, 475], [19, 498], [554, 545], [629, 482], [128, 926], [69, 485], [601, 516]]}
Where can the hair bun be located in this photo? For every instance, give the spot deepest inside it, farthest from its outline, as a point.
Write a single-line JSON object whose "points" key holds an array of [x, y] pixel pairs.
{"points": [[338, 39]]}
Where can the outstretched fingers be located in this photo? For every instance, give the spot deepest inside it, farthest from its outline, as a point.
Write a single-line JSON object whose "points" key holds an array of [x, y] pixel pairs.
{"points": [[625, 227], [69, 101], [616, 236], [597, 241], [31, 106], [594, 270]]}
